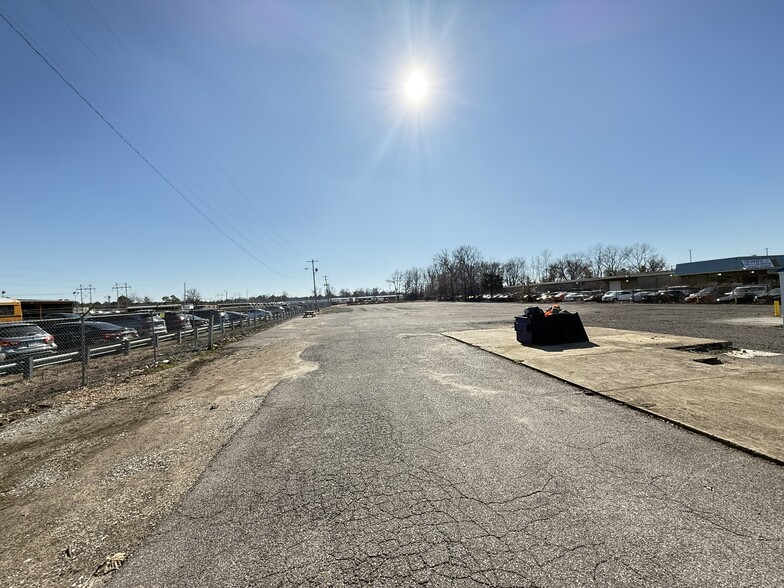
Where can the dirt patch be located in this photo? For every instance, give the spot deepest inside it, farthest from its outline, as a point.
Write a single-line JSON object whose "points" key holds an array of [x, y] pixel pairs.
{"points": [[86, 473]]}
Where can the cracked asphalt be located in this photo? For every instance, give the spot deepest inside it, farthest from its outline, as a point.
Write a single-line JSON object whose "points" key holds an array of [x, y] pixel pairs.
{"points": [[409, 459]]}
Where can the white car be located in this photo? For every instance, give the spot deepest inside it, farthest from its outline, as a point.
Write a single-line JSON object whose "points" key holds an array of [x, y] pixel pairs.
{"points": [[617, 296]]}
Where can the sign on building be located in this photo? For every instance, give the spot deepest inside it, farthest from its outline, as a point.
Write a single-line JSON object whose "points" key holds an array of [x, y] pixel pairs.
{"points": [[757, 263]]}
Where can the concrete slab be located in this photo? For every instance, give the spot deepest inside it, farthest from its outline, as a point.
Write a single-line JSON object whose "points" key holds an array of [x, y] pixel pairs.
{"points": [[735, 401]]}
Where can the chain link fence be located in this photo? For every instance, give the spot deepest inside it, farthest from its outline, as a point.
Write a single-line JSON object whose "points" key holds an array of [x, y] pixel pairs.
{"points": [[64, 349]]}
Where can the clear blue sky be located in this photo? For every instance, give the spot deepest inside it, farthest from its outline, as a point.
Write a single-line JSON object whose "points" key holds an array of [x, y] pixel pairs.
{"points": [[545, 124]]}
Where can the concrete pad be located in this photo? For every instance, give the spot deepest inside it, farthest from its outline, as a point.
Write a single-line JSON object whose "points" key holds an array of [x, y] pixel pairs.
{"points": [[739, 403]]}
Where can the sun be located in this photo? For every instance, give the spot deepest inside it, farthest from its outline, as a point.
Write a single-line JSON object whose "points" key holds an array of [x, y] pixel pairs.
{"points": [[416, 88]]}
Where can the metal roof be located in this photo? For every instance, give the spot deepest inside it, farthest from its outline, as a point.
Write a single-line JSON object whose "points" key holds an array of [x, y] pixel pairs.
{"points": [[731, 264]]}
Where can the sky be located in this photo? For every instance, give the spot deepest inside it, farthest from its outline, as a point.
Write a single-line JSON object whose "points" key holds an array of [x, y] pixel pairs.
{"points": [[222, 145]]}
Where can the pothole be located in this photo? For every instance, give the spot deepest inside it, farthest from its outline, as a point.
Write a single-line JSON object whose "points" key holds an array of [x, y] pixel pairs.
{"points": [[709, 360], [705, 347]]}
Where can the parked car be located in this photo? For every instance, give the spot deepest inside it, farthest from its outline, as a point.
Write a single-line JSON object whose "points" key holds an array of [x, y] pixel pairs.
{"points": [[73, 316], [69, 335], [19, 340], [617, 296], [641, 295], [218, 316], [574, 297], [772, 295], [275, 311], [594, 296], [235, 317], [196, 321], [258, 313], [144, 324], [176, 321], [707, 295], [744, 294], [669, 295]]}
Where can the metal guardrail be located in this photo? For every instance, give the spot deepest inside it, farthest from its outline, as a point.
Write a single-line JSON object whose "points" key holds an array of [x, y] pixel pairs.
{"points": [[28, 366]]}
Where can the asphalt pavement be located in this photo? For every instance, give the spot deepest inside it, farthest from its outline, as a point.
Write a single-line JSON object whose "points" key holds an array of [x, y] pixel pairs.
{"points": [[409, 458]]}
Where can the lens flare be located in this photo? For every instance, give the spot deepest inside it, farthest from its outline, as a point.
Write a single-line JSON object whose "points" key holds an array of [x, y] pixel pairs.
{"points": [[416, 88]]}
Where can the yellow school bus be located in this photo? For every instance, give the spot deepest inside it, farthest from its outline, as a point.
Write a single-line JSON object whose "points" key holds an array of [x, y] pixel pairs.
{"points": [[10, 310]]}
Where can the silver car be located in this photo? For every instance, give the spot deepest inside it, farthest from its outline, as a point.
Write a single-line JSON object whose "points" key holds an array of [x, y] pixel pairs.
{"points": [[19, 340]]}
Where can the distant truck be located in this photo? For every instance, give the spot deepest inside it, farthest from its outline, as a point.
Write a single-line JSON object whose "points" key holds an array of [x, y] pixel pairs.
{"points": [[10, 310]]}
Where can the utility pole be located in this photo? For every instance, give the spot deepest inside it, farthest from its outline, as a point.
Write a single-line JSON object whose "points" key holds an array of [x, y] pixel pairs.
{"points": [[82, 289], [124, 288], [314, 269], [326, 290]]}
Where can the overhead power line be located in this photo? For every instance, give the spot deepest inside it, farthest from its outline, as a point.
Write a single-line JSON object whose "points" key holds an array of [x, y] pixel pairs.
{"points": [[135, 150]]}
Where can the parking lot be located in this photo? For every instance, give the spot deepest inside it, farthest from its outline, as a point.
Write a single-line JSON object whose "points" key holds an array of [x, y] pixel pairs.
{"points": [[348, 439], [747, 326]]}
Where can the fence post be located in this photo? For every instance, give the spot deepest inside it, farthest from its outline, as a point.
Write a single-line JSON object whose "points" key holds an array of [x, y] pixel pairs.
{"points": [[209, 332], [85, 353]]}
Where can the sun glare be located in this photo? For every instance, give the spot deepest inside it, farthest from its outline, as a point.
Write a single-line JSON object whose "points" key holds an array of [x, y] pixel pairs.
{"points": [[416, 88]]}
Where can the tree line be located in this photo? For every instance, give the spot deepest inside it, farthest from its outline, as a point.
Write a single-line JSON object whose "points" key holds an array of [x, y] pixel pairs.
{"points": [[463, 272]]}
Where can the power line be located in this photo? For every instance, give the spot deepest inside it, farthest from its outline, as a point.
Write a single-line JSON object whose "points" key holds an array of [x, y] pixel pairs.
{"points": [[250, 202], [106, 24], [135, 150]]}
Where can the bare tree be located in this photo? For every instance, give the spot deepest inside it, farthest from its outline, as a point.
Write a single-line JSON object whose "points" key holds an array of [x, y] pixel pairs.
{"points": [[595, 257], [468, 260], [396, 281], [542, 262], [192, 296], [637, 256], [575, 266], [432, 282], [644, 258], [514, 271], [446, 269], [615, 260], [413, 280], [656, 263]]}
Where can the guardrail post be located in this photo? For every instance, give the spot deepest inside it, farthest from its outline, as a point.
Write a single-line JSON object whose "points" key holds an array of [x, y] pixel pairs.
{"points": [[154, 339], [127, 347], [28, 367], [209, 332], [179, 336]]}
